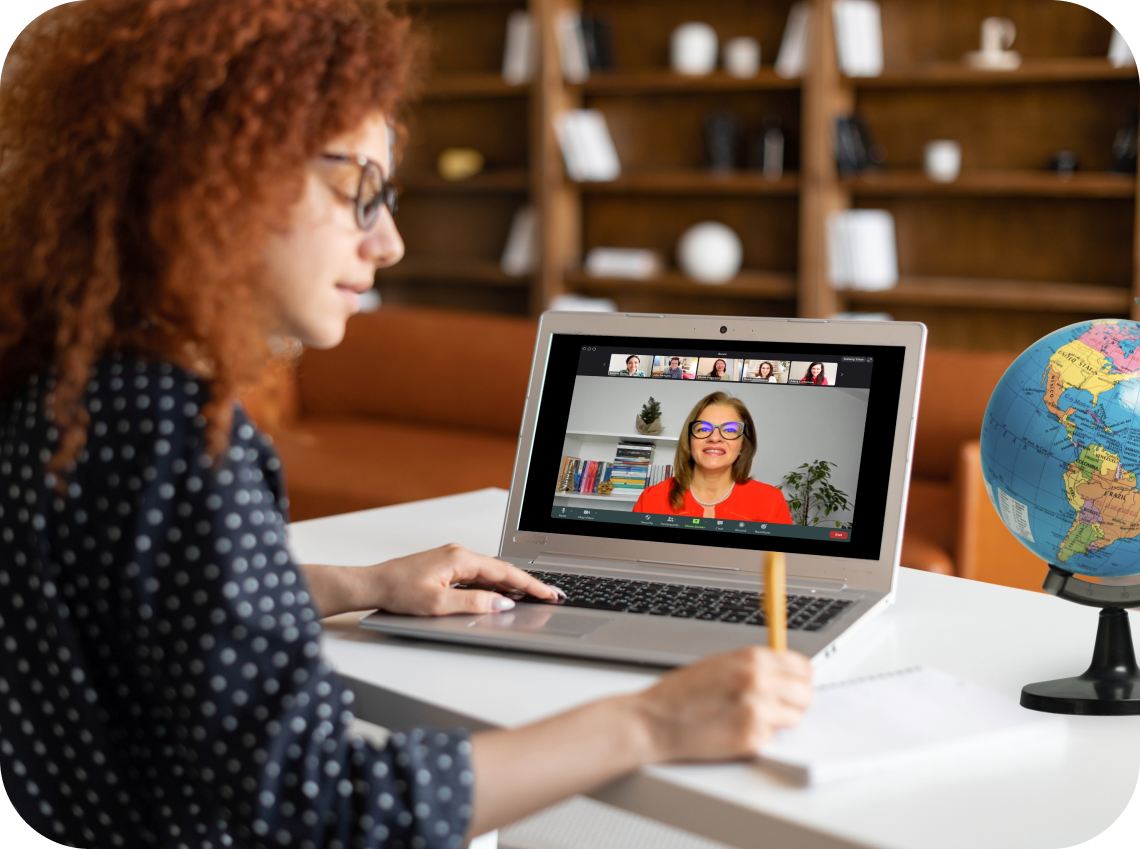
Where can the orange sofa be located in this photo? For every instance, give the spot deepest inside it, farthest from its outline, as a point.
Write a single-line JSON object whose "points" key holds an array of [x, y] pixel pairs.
{"points": [[421, 403], [413, 404]]}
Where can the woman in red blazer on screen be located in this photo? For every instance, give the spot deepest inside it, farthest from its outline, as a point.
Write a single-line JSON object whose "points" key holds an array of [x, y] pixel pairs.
{"points": [[814, 375], [712, 470]]}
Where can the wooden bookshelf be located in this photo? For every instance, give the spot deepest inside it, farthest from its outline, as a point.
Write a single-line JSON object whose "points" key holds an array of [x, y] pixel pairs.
{"points": [[653, 82], [998, 294], [1031, 71], [994, 182], [977, 256], [747, 284], [452, 270], [696, 182], [502, 180], [454, 86]]}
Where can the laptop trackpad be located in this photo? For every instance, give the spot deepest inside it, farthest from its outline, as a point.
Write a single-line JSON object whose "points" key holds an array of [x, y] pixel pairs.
{"points": [[539, 619]]}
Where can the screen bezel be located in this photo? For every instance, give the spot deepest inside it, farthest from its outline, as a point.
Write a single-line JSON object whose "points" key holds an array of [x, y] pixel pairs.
{"points": [[527, 536]]}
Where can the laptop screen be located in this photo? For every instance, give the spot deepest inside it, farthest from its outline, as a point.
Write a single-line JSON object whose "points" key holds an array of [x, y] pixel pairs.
{"points": [[765, 446]]}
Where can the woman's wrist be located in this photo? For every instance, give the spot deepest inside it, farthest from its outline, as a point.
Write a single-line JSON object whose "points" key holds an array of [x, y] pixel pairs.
{"points": [[335, 589]]}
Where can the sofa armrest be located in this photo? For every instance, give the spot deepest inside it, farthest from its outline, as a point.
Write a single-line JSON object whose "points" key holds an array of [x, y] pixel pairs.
{"points": [[919, 552], [986, 550]]}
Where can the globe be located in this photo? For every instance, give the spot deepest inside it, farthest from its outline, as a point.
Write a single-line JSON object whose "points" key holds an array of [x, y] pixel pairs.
{"points": [[1061, 448]]}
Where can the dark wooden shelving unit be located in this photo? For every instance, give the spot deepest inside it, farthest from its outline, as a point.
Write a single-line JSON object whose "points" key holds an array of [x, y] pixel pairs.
{"points": [[994, 183], [979, 258], [652, 82], [747, 284], [997, 294], [696, 182]]}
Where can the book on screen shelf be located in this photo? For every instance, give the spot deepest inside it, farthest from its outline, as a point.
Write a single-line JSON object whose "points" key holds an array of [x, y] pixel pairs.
{"points": [[629, 476], [660, 473], [637, 451], [583, 476]]}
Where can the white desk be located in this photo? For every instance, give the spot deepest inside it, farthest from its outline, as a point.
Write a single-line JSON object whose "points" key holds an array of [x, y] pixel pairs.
{"points": [[1000, 638]]}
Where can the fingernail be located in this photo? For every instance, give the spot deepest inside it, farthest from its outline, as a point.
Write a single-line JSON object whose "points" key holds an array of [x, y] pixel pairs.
{"points": [[558, 591], [500, 603]]}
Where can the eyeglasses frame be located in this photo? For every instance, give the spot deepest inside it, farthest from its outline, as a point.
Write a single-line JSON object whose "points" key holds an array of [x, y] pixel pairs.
{"points": [[388, 194], [716, 427]]}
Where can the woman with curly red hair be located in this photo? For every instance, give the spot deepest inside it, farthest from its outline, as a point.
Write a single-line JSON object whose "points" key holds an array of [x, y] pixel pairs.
{"points": [[181, 181]]}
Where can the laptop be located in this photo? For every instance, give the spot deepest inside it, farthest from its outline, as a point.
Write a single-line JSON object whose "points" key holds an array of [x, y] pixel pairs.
{"points": [[607, 433]]}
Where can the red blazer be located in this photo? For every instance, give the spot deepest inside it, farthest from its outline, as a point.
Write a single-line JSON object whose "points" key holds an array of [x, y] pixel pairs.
{"points": [[751, 501]]}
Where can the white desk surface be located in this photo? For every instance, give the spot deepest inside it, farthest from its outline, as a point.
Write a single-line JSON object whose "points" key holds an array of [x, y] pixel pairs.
{"points": [[998, 637]]}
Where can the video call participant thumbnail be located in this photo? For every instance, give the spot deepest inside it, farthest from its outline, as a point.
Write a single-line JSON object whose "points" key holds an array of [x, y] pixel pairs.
{"points": [[765, 371], [627, 365], [675, 368], [813, 374], [713, 469], [718, 368]]}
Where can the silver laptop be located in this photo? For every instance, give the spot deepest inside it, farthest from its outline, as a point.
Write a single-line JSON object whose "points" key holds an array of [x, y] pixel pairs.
{"points": [[591, 509]]}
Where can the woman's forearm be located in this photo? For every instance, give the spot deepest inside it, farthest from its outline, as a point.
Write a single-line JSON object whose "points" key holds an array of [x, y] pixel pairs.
{"points": [[335, 589], [524, 770]]}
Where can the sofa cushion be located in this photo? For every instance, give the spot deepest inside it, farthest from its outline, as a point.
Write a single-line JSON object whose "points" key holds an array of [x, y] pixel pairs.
{"points": [[444, 368], [340, 464], [956, 387]]}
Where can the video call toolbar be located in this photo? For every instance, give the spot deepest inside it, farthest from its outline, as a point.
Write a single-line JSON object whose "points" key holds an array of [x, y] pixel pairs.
{"points": [[771, 367], [593, 514]]}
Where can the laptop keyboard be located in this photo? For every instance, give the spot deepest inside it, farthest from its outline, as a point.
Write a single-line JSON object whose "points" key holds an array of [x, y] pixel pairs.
{"points": [[805, 612]]}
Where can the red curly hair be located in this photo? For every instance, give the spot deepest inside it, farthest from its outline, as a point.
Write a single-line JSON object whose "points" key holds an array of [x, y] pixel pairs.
{"points": [[147, 150]]}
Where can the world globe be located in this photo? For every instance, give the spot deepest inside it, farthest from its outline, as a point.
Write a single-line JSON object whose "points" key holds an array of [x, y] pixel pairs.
{"points": [[1060, 448]]}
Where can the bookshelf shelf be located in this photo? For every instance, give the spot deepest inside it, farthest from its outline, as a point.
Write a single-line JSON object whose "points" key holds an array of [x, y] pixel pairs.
{"points": [[999, 294], [503, 180], [456, 86], [696, 182], [994, 182], [451, 270], [1032, 71], [747, 284], [627, 497], [639, 437], [651, 82]]}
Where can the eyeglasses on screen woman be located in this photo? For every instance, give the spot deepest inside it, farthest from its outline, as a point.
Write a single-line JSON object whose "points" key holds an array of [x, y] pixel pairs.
{"points": [[729, 430], [372, 192]]}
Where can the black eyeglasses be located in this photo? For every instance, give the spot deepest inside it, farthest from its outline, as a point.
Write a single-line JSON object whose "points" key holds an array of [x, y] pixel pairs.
{"points": [[729, 430], [373, 190]]}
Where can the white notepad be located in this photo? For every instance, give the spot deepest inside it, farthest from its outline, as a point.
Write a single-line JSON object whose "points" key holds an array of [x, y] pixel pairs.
{"points": [[882, 722]]}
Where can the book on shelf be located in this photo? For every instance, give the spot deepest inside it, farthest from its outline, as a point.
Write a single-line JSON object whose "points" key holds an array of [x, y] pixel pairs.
{"points": [[858, 37], [566, 474], [793, 46], [572, 46], [520, 56], [623, 263], [520, 254], [861, 250], [598, 43], [1119, 53], [642, 451], [587, 148]]}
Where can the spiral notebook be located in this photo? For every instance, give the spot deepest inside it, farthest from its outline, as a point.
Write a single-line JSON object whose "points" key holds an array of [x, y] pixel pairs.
{"points": [[884, 722]]}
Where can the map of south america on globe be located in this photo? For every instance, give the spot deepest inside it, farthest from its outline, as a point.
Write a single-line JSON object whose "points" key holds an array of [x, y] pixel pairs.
{"points": [[1061, 448]]}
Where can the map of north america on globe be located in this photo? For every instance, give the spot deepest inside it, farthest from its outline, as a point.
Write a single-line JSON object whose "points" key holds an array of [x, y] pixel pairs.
{"points": [[1061, 448]]}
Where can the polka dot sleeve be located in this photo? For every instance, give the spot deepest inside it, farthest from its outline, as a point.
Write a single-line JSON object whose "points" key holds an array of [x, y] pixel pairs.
{"points": [[185, 701]]}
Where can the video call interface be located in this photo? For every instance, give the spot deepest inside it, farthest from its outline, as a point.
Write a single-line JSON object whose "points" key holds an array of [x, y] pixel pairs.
{"points": [[781, 412]]}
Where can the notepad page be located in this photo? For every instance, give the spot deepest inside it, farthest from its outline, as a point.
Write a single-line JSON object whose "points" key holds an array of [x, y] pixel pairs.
{"points": [[875, 724]]}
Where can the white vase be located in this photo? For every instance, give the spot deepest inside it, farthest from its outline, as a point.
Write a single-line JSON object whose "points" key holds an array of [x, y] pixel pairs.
{"points": [[692, 49], [710, 252]]}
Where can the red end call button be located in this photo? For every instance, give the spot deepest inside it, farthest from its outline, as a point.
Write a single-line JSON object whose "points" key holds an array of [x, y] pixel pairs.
{"points": [[839, 534]]}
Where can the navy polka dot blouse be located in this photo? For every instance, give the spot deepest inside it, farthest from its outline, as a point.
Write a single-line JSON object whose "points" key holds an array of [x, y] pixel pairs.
{"points": [[161, 680]]}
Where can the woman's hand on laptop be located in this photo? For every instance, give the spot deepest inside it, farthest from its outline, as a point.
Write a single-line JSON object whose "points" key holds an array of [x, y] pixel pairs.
{"points": [[421, 584], [726, 706]]}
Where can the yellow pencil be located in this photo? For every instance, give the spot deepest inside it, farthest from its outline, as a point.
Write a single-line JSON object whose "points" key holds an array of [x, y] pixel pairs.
{"points": [[775, 600]]}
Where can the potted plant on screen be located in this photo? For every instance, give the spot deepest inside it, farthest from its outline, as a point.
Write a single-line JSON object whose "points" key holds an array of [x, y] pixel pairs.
{"points": [[811, 497]]}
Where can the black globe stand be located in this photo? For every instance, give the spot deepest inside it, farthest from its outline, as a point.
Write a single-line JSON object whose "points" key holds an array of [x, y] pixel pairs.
{"points": [[1111, 685]]}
